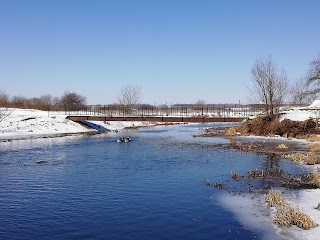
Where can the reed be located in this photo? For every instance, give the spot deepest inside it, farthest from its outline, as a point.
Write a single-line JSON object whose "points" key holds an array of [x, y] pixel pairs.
{"points": [[231, 131], [282, 146], [312, 158], [287, 215], [297, 157], [313, 138], [314, 148], [274, 198], [316, 179]]}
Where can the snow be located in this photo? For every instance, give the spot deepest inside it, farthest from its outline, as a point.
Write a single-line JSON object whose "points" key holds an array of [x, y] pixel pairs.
{"points": [[29, 123], [26, 123], [315, 104]]}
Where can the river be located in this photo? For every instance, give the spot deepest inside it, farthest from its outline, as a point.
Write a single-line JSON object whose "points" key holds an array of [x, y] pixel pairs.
{"points": [[91, 187]]}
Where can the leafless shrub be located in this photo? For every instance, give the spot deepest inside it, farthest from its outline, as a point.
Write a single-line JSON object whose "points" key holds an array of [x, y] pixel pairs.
{"points": [[318, 206]]}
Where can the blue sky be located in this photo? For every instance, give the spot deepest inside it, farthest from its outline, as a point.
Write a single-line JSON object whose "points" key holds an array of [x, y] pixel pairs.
{"points": [[177, 51]]}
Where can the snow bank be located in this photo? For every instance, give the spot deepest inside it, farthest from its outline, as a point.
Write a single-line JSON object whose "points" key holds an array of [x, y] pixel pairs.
{"points": [[29, 123], [251, 213], [315, 104]]}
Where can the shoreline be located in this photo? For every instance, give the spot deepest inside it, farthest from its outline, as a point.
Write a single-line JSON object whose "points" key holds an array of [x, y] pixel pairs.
{"points": [[304, 198]]}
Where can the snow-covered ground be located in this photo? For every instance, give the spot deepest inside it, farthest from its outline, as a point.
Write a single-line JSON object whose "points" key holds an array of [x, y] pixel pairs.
{"points": [[23, 123], [28, 123]]}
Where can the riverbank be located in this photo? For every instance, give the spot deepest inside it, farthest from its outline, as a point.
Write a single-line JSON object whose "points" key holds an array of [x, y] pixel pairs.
{"points": [[298, 190], [29, 123]]}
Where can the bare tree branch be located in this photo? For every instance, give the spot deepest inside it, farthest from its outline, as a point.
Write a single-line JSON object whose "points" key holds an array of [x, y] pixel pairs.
{"points": [[5, 112], [314, 71], [269, 84], [130, 95]]}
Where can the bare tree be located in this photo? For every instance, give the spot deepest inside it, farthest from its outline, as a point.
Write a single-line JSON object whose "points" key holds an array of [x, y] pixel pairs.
{"points": [[4, 98], [198, 106], [269, 84], [313, 77], [72, 101], [300, 92], [19, 102], [314, 70], [200, 102], [130, 95], [4, 110]]}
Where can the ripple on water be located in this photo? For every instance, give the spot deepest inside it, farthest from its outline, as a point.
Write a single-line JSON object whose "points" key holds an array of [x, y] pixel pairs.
{"points": [[93, 187]]}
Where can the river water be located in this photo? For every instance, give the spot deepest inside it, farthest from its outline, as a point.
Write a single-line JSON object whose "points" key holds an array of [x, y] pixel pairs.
{"points": [[91, 187]]}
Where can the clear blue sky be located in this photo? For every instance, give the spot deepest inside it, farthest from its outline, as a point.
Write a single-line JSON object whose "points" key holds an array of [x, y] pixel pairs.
{"points": [[177, 51]]}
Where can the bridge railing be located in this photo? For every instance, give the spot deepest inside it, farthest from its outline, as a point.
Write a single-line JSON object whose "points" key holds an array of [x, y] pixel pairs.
{"points": [[210, 110]]}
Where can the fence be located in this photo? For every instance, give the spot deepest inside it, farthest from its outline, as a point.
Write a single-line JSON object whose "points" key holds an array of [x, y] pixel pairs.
{"points": [[223, 111]]}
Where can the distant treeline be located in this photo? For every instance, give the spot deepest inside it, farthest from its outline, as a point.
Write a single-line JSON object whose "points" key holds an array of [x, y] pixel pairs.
{"points": [[69, 100]]}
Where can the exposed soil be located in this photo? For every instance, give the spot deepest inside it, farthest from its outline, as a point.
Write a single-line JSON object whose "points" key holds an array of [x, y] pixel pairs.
{"points": [[286, 128]]}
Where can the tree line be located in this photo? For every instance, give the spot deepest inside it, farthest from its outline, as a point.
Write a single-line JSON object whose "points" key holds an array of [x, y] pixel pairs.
{"points": [[69, 100]]}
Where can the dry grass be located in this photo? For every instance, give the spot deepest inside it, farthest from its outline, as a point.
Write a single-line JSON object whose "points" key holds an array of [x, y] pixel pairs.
{"points": [[282, 217], [282, 146], [316, 179], [287, 215], [313, 138], [314, 148], [293, 215], [231, 131], [297, 157], [312, 158], [274, 198], [232, 141]]}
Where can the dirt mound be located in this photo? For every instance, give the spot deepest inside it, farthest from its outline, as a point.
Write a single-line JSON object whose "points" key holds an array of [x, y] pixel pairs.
{"points": [[290, 128], [285, 128]]}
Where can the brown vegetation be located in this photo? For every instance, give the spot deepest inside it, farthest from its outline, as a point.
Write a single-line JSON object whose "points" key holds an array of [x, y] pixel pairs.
{"points": [[286, 214], [234, 175], [297, 157], [274, 198], [282, 146], [293, 215], [264, 126], [231, 131]]}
